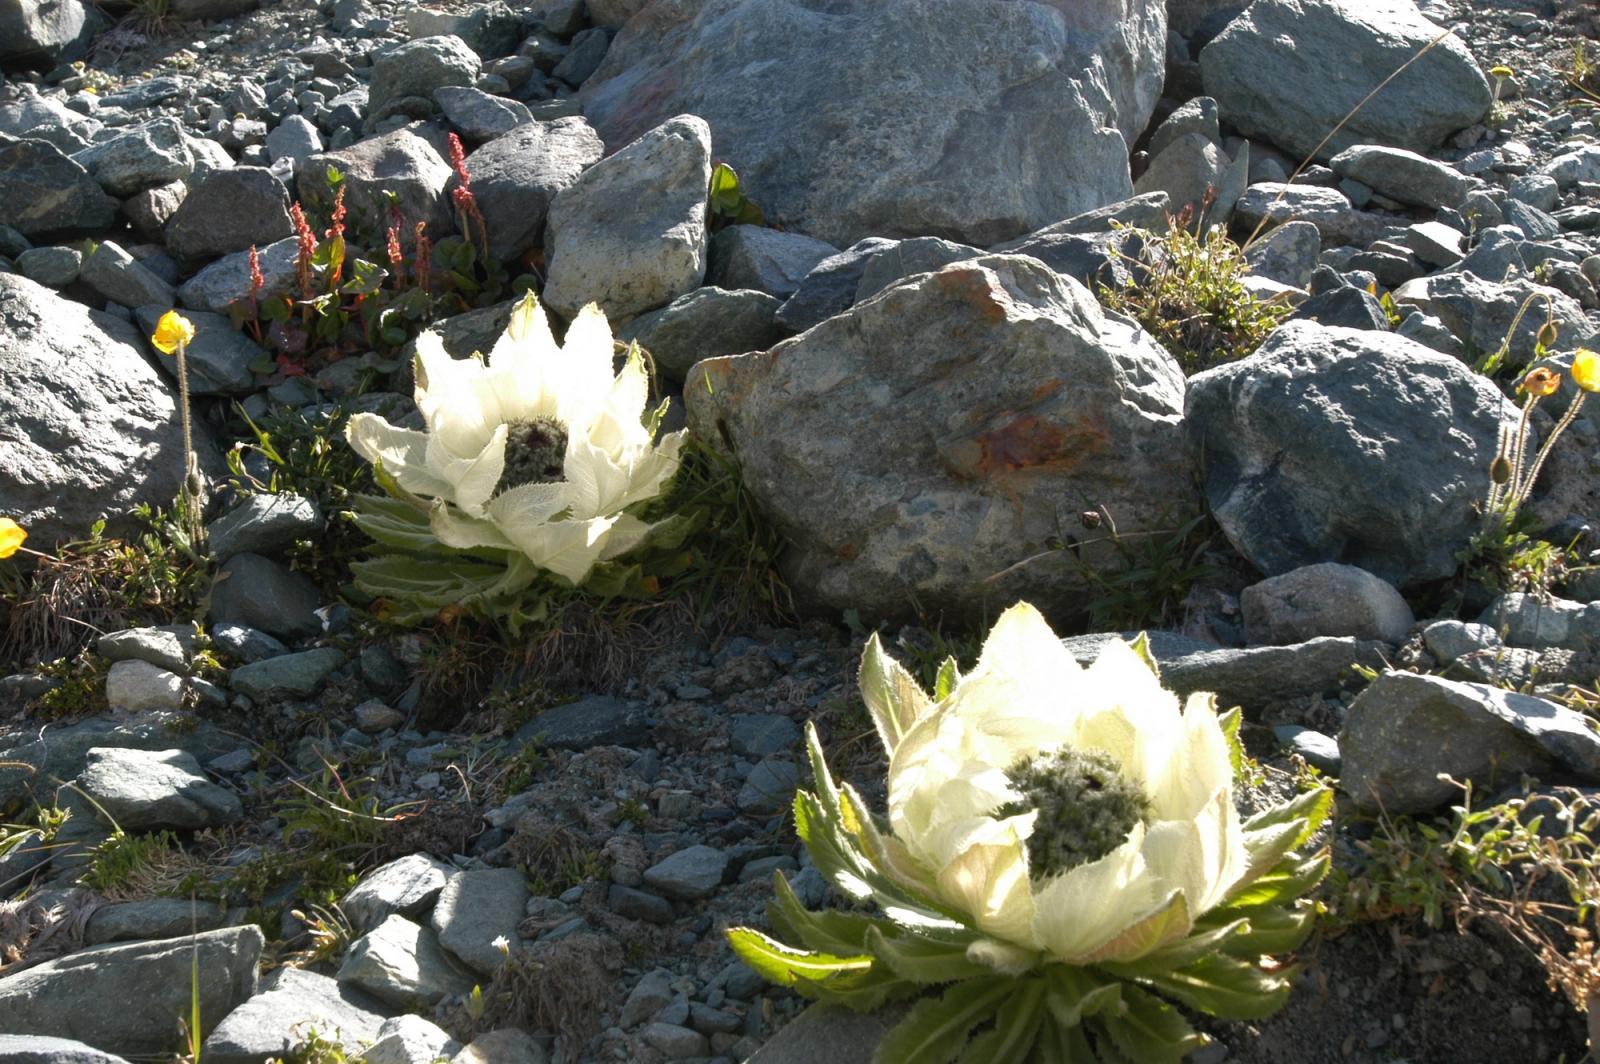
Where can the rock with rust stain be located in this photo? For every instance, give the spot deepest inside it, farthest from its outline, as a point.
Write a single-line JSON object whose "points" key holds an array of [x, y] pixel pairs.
{"points": [[935, 443]]}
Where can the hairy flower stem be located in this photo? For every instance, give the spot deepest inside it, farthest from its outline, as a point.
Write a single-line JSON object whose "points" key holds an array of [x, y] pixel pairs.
{"points": [[190, 492]]}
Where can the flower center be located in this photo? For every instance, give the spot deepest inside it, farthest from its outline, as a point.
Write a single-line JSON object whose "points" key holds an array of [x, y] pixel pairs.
{"points": [[1086, 808], [536, 452]]}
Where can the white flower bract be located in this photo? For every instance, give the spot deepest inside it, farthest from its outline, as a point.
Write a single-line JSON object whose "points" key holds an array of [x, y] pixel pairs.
{"points": [[470, 405], [948, 780]]}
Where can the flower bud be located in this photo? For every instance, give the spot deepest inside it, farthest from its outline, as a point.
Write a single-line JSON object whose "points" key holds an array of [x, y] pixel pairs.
{"points": [[1540, 382], [1548, 334], [1500, 469]]}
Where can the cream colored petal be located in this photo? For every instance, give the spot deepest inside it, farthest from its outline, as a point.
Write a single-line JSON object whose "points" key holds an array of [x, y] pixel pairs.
{"points": [[473, 477], [455, 529], [928, 756], [403, 453], [605, 486], [1021, 644], [528, 504], [567, 548], [1003, 957], [529, 360], [586, 362], [1078, 912], [990, 884], [626, 534], [1202, 857], [618, 425], [1199, 766], [1007, 719], [1129, 715]]}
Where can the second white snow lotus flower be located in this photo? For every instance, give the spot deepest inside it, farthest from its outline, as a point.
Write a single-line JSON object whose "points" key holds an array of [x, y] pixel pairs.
{"points": [[1061, 846], [539, 455]]}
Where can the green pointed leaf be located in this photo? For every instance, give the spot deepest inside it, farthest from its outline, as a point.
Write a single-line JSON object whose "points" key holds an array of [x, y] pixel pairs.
{"points": [[1016, 1027], [828, 930], [826, 844], [1149, 1030], [1141, 647], [785, 966], [890, 692], [922, 961], [1184, 951], [1270, 929], [1230, 722], [1226, 987], [1311, 809], [1074, 993], [1290, 879], [937, 1029], [945, 682]]}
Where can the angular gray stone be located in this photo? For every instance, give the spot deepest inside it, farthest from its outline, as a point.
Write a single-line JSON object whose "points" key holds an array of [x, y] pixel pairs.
{"points": [[137, 921], [476, 907], [400, 962], [43, 1049], [1286, 254], [630, 232], [1480, 312], [830, 287], [414, 70], [594, 720], [1325, 599], [289, 676], [1436, 243], [1326, 208], [1405, 729], [405, 886], [1342, 49], [508, 1045], [652, 993], [1148, 211], [766, 260], [491, 29], [1403, 176], [246, 643], [1045, 407], [228, 279], [692, 873], [152, 790], [408, 162], [476, 115], [410, 1040], [1186, 169], [264, 524], [1198, 115], [149, 211], [515, 176], [1524, 620], [1344, 445], [291, 1002], [120, 278], [46, 33], [904, 258], [295, 138], [770, 787], [145, 156], [68, 997], [762, 734], [139, 687], [55, 267], [864, 119], [158, 646], [26, 756], [673, 1041], [706, 323], [844, 120], [829, 1034], [47, 118], [261, 593], [583, 56], [218, 358], [1320, 751], [89, 427], [1256, 677], [1449, 639], [230, 210], [44, 191]]}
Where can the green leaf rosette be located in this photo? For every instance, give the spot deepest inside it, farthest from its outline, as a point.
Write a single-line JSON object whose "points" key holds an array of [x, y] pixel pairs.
{"points": [[1061, 870]]}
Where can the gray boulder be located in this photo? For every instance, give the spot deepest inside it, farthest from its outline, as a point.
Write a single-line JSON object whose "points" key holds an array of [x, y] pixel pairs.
{"points": [[1403, 176], [228, 279], [89, 427], [1324, 600], [136, 921], [491, 29], [962, 119], [407, 886], [413, 70], [44, 34], [142, 157], [766, 260], [290, 1003], [903, 258], [120, 278], [515, 176], [1336, 219], [831, 285], [401, 963], [230, 210], [1286, 254], [43, 1049], [475, 908], [408, 162], [1480, 312], [252, 590], [264, 524], [476, 115], [931, 443], [140, 687], [1186, 169], [611, 14], [70, 997], [1342, 445], [1406, 729], [43, 191], [26, 757], [298, 675], [151, 790], [1341, 50], [706, 323], [630, 232], [219, 357]]}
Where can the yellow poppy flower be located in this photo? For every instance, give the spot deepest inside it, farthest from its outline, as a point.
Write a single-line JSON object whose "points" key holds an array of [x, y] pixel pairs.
{"points": [[1586, 370], [172, 331], [11, 537]]}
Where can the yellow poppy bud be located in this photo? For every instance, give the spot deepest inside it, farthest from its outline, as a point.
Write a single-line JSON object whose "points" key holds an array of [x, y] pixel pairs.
{"points": [[1540, 382], [1586, 370], [11, 537], [172, 331], [1548, 334], [1500, 469]]}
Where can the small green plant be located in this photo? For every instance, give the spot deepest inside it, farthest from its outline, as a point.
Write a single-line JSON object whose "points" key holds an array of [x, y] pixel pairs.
{"points": [[313, 1048], [1187, 289], [1582, 76], [129, 866], [632, 811], [328, 929], [80, 686], [728, 203]]}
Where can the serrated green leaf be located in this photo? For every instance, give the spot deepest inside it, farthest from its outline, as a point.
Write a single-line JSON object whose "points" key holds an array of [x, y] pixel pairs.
{"points": [[1074, 993], [945, 682], [825, 843], [1184, 951], [1311, 808], [891, 694], [781, 964], [1231, 722], [1141, 647], [1290, 879], [1271, 929], [827, 930], [922, 961], [1226, 987], [937, 1029], [1148, 1030], [1016, 1027]]}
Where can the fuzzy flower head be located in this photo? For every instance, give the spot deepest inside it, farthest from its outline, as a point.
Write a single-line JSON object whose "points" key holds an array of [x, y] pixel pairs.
{"points": [[1073, 815], [539, 449], [12, 536], [173, 330]]}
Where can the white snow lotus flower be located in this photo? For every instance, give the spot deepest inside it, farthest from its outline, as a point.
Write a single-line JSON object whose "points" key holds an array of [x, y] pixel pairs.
{"points": [[539, 449], [1062, 845]]}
